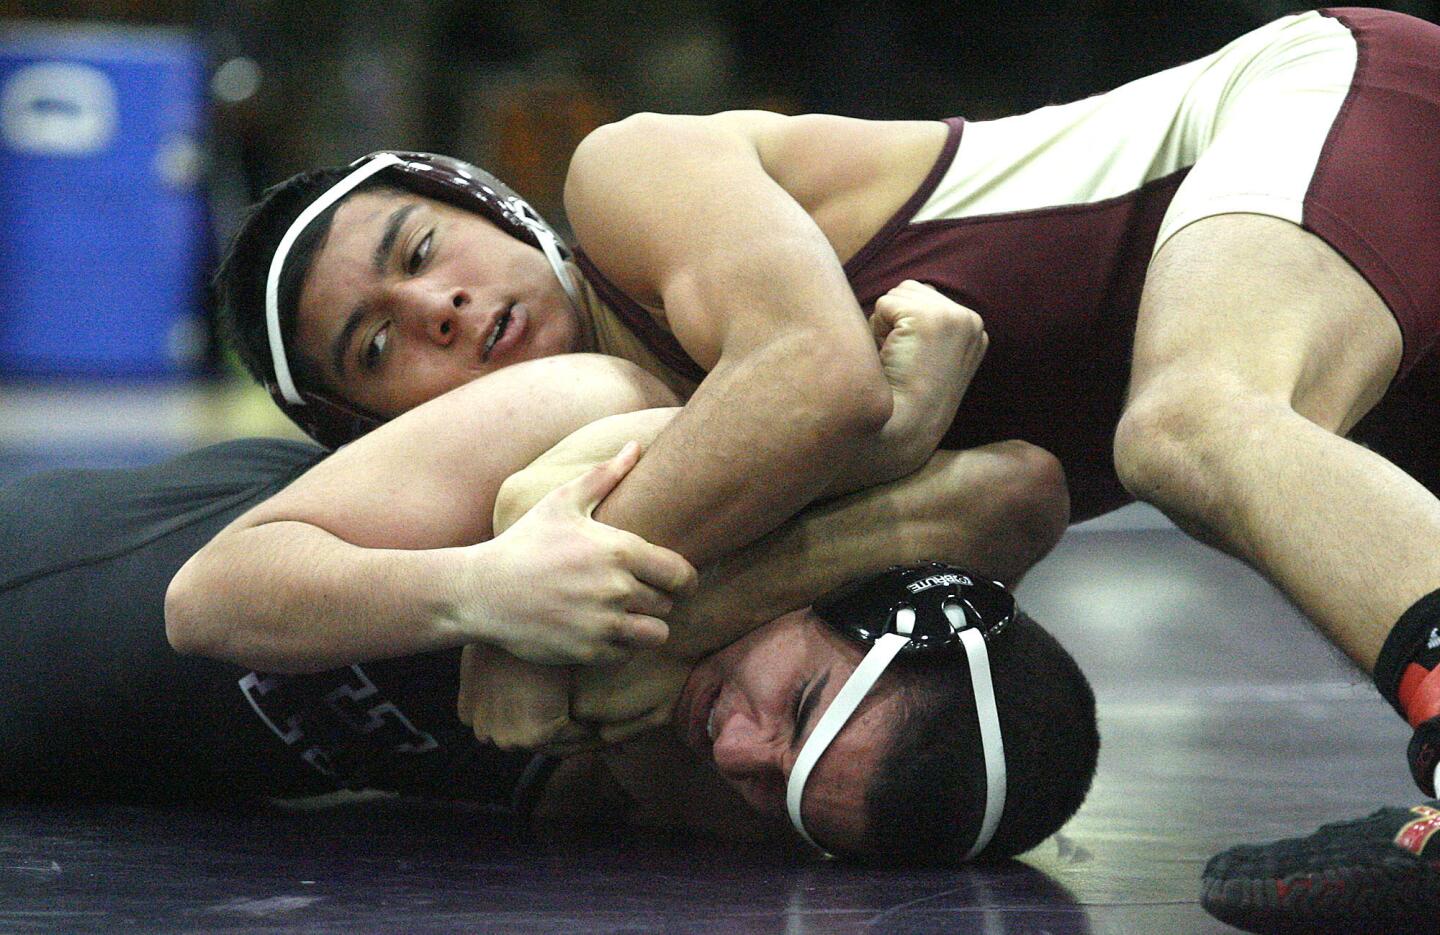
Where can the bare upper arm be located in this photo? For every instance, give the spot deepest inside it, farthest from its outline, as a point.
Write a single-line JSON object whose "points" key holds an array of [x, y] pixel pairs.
{"points": [[681, 215], [849, 175], [429, 478], [683, 210]]}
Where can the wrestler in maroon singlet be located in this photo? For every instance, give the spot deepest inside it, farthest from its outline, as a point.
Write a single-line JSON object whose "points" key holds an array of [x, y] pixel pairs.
{"points": [[1059, 287]]}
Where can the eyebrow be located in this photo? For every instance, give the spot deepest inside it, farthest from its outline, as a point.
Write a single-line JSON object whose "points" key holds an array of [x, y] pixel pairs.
{"points": [[387, 239], [342, 340], [378, 260], [807, 708]]}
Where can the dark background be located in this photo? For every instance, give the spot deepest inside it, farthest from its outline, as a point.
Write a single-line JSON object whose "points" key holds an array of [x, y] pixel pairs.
{"points": [[515, 85]]}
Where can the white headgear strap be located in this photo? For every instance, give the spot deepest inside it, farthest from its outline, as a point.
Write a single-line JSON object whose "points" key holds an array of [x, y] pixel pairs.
{"points": [[551, 248], [277, 263], [885, 649], [378, 163]]}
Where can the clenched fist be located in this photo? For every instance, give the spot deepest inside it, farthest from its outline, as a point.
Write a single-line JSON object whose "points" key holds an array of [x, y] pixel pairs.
{"points": [[930, 348]]}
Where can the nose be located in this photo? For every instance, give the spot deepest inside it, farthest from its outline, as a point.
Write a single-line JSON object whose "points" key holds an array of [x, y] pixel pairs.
{"points": [[433, 315], [750, 761]]}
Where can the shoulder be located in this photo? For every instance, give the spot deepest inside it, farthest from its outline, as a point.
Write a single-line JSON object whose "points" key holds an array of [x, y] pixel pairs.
{"points": [[849, 174], [849, 147]]}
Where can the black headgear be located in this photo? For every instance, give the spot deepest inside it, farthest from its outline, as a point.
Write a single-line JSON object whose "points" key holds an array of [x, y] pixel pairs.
{"points": [[867, 609], [924, 609]]}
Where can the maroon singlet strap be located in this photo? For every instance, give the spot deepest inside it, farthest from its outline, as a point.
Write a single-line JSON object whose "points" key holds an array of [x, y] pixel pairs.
{"points": [[660, 342], [912, 204]]}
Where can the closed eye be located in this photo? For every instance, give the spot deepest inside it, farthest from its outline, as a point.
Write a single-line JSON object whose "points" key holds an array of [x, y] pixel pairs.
{"points": [[806, 709]]}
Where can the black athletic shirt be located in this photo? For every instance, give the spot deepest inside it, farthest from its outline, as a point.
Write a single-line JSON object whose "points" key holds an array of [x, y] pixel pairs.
{"points": [[94, 702]]}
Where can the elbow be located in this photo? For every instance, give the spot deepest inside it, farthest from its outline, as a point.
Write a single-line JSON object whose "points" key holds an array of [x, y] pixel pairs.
{"points": [[184, 620], [196, 622], [856, 407], [1005, 511], [873, 407], [206, 615], [1036, 498], [1032, 503]]}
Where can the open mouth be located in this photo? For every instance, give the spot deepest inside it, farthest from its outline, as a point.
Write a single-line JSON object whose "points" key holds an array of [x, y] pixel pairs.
{"points": [[496, 333], [695, 712], [703, 727]]}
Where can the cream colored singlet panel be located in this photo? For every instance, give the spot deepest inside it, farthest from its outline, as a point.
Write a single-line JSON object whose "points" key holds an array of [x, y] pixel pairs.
{"points": [[1249, 120]]}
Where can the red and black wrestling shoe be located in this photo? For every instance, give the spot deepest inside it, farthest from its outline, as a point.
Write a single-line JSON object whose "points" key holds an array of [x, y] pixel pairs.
{"points": [[1374, 875]]}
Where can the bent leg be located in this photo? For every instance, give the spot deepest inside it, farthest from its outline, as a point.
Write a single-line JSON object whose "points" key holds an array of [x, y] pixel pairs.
{"points": [[1257, 347]]}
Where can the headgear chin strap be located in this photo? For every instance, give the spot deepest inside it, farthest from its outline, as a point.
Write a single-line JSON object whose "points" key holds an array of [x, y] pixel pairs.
{"points": [[440, 177], [930, 609]]}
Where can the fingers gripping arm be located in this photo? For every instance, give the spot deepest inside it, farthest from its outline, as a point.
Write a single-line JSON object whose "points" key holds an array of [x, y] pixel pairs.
{"points": [[995, 510], [381, 549], [516, 703]]}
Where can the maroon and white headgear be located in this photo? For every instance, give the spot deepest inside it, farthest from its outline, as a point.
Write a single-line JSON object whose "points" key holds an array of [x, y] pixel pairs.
{"points": [[332, 421]]}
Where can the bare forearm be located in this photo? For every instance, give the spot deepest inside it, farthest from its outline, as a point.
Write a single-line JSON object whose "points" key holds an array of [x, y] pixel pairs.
{"points": [[326, 602], [727, 470], [817, 550], [820, 549], [995, 510], [755, 292], [354, 559]]}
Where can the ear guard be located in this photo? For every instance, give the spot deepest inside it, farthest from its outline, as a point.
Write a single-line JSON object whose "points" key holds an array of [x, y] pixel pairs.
{"points": [[867, 609], [925, 610], [332, 421], [329, 420]]}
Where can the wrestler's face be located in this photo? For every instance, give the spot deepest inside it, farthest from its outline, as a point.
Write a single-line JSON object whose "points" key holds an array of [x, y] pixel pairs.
{"points": [[749, 708], [404, 295]]}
